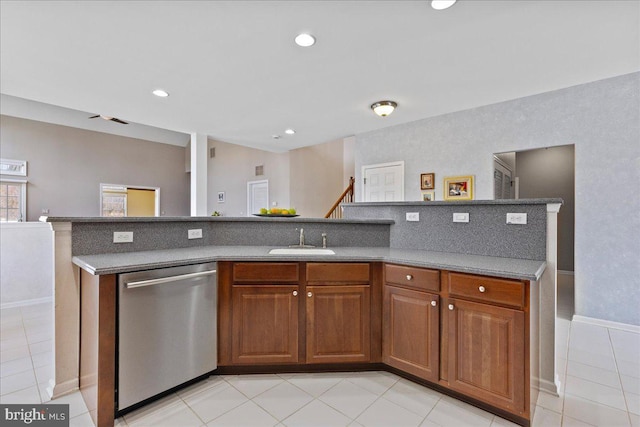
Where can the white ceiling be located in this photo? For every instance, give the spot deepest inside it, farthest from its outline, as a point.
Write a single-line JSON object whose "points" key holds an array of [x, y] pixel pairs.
{"points": [[235, 74]]}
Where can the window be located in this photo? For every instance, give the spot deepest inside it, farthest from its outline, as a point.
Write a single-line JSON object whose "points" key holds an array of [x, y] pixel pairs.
{"points": [[13, 200], [114, 200], [122, 200]]}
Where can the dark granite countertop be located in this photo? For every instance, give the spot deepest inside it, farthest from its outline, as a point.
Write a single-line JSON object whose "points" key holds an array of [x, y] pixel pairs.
{"points": [[477, 264]]}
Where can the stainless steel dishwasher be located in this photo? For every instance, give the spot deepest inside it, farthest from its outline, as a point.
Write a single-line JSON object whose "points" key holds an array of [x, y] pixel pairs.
{"points": [[167, 331]]}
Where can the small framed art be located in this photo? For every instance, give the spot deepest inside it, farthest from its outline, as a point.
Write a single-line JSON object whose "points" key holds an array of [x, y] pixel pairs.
{"points": [[428, 196], [427, 181], [458, 188]]}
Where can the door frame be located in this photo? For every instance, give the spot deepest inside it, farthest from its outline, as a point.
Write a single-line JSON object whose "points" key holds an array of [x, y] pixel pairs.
{"points": [[135, 187], [249, 184], [381, 165]]}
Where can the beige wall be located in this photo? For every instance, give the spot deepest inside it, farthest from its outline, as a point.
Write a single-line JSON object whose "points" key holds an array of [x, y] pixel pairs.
{"points": [[317, 178], [233, 166], [66, 166], [309, 179]]}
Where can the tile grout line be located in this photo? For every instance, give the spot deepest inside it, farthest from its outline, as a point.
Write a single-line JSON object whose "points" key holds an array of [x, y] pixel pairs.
{"points": [[615, 361]]}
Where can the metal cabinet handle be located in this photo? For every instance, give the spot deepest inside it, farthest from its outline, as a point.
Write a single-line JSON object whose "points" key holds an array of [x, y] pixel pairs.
{"points": [[451, 307], [482, 289], [433, 303], [409, 277], [309, 294], [295, 293]]}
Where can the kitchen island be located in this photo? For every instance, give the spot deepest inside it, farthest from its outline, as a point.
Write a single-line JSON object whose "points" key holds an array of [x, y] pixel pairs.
{"points": [[95, 261]]}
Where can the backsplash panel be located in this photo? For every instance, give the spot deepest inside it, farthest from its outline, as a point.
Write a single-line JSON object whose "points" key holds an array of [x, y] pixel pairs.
{"points": [[486, 233]]}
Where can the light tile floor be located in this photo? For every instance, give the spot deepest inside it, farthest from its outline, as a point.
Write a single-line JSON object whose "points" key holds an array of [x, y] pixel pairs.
{"points": [[599, 367]]}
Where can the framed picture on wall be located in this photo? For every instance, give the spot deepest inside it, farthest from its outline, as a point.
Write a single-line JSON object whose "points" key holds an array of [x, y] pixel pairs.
{"points": [[221, 197], [458, 188], [428, 196], [427, 181]]}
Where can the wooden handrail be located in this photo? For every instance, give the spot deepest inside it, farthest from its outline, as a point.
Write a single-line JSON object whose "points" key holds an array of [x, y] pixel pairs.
{"points": [[345, 197]]}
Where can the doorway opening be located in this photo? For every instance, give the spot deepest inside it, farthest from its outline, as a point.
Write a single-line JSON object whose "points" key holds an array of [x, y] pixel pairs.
{"points": [[539, 174], [133, 201], [383, 182], [257, 196]]}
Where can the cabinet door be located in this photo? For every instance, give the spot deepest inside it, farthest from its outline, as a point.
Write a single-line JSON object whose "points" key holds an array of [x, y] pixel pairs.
{"points": [[486, 353], [264, 324], [338, 323], [411, 331]]}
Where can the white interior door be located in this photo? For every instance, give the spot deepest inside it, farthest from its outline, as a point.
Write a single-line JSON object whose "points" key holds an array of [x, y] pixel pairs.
{"points": [[257, 196], [383, 182]]}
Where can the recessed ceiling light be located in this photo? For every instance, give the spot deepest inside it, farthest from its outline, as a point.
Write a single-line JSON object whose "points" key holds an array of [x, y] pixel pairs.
{"points": [[161, 93], [305, 40], [289, 131], [442, 4]]}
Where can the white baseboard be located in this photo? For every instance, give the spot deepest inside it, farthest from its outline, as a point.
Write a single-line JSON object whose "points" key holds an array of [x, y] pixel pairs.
{"points": [[67, 387], [549, 387], [26, 302], [606, 323]]}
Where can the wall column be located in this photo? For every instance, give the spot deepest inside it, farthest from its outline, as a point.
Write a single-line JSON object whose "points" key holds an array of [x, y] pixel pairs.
{"points": [[549, 379], [198, 175]]}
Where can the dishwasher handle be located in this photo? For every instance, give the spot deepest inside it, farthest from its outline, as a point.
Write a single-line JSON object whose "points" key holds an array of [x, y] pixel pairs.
{"points": [[169, 279]]}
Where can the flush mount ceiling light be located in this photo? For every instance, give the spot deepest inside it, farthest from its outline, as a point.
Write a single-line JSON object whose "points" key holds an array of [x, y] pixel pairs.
{"points": [[305, 40], [442, 4], [289, 131], [160, 93], [384, 108]]}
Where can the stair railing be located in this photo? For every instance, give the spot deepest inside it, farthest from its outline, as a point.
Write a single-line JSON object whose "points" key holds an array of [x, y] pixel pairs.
{"points": [[346, 197]]}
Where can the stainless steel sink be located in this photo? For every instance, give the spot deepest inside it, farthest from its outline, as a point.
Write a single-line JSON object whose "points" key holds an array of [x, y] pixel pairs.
{"points": [[301, 251]]}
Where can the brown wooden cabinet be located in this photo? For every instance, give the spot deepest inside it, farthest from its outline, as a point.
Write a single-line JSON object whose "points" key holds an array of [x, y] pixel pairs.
{"points": [[264, 324], [338, 324], [289, 313], [466, 333], [486, 340], [411, 320], [338, 311], [411, 330], [487, 353], [264, 310]]}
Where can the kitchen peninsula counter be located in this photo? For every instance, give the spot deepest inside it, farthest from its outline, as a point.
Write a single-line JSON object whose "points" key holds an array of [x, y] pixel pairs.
{"points": [[370, 233], [114, 263]]}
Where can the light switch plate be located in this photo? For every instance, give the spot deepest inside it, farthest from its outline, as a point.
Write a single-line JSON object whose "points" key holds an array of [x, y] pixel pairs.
{"points": [[122, 236], [195, 233], [516, 218], [413, 216], [461, 217]]}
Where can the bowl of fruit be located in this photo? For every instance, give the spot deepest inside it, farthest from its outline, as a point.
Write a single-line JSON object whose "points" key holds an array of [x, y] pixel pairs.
{"points": [[277, 212]]}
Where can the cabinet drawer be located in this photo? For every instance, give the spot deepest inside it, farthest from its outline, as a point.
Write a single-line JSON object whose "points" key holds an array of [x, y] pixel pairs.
{"points": [[490, 289], [268, 272], [337, 272], [418, 278]]}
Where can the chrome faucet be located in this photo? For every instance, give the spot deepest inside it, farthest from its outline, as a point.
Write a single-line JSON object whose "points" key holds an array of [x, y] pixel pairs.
{"points": [[324, 240], [301, 243]]}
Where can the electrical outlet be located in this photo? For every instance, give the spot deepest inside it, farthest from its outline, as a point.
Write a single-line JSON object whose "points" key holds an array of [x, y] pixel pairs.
{"points": [[461, 217], [195, 233], [122, 236], [516, 218], [413, 216]]}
